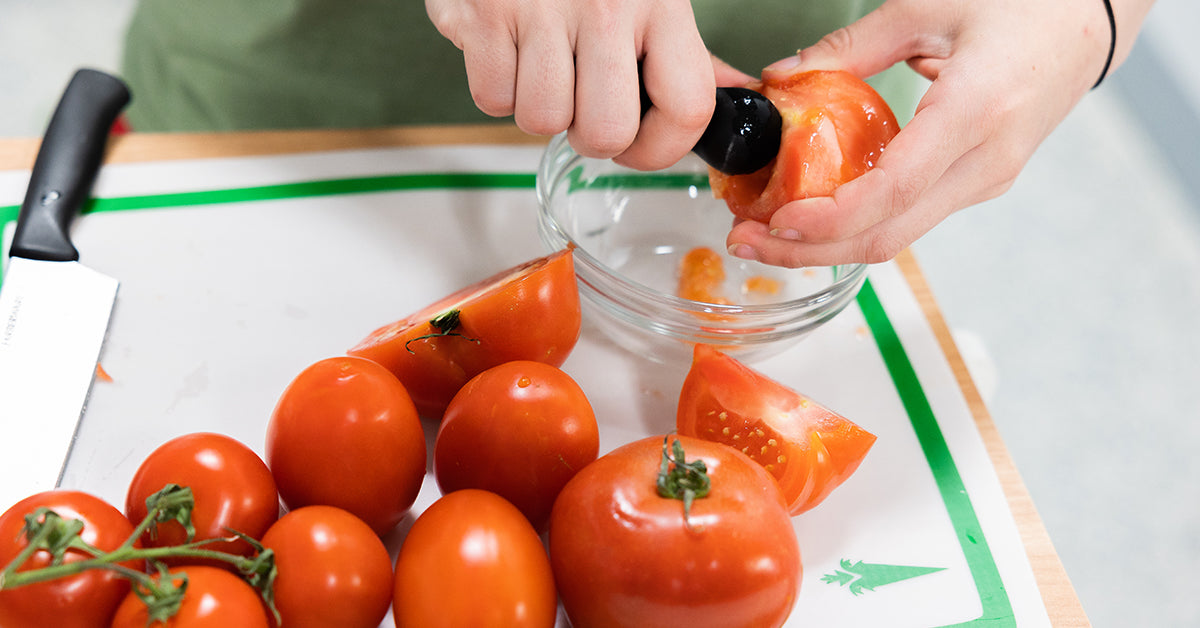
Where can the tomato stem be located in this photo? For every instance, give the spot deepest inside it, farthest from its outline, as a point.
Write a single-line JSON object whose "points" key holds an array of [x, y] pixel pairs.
{"points": [[682, 480], [446, 324], [46, 530]]}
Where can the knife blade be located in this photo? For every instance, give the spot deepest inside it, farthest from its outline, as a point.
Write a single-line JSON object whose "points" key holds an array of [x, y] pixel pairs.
{"points": [[54, 311]]}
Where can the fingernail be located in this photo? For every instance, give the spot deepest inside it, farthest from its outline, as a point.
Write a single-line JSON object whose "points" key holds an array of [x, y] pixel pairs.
{"points": [[743, 251], [785, 234], [784, 65]]}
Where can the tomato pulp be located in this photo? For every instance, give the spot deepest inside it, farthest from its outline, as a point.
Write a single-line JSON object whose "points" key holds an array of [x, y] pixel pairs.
{"points": [[835, 127], [809, 449], [529, 312]]}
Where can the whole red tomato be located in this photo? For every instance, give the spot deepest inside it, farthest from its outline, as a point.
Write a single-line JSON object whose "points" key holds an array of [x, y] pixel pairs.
{"points": [[214, 598], [835, 127], [626, 555], [333, 570], [85, 600], [520, 430], [345, 433], [809, 449], [231, 485], [529, 312], [472, 559]]}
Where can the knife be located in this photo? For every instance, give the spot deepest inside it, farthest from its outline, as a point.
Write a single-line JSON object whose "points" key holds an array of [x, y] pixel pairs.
{"points": [[54, 311]]}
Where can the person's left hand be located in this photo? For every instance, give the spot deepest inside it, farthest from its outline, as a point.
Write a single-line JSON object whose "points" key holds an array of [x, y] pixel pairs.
{"points": [[1003, 74]]}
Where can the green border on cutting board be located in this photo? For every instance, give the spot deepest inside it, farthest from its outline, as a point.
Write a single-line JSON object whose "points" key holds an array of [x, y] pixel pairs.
{"points": [[997, 608]]}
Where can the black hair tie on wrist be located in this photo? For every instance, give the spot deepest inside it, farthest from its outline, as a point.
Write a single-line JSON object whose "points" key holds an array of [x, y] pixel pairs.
{"points": [[1112, 42]]}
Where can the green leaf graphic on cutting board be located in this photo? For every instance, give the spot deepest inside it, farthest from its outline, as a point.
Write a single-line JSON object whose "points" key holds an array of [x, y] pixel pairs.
{"points": [[866, 576]]}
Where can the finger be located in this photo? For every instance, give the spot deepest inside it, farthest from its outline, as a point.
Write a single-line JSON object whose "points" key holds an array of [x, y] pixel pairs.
{"points": [[490, 58], [959, 188], [545, 83], [677, 72], [729, 76], [892, 33], [607, 103], [939, 134]]}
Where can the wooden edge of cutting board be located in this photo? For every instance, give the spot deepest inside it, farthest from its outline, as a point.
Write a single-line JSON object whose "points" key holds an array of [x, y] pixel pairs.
{"points": [[1058, 595], [1062, 603], [19, 153]]}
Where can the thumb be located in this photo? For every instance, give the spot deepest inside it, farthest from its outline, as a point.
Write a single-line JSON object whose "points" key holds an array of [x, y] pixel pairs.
{"points": [[877, 41]]}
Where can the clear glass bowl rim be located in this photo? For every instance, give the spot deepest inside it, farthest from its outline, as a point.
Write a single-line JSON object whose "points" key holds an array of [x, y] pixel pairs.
{"points": [[559, 159]]}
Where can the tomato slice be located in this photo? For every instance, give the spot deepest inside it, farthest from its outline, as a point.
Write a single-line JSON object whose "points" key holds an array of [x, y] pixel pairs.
{"points": [[528, 312], [835, 127], [809, 449]]}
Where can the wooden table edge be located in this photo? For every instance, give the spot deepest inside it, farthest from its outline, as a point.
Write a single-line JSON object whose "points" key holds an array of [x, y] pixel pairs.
{"points": [[1058, 595]]}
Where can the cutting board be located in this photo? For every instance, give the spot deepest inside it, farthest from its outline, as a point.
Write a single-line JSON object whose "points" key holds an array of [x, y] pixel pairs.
{"points": [[236, 274]]}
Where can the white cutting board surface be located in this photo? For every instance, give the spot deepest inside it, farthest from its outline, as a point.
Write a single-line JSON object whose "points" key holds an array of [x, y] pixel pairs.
{"points": [[222, 303]]}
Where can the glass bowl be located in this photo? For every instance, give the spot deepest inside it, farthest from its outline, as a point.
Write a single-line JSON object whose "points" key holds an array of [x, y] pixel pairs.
{"points": [[631, 230]]}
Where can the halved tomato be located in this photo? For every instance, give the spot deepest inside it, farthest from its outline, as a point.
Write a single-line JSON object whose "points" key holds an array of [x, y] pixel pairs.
{"points": [[835, 126], [809, 449], [528, 312]]}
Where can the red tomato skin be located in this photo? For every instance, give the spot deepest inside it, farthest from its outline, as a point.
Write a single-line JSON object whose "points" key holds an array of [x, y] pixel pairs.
{"points": [[520, 430], [215, 598], [472, 559], [333, 570], [85, 600], [345, 433], [835, 127], [528, 312], [809, 449], [623, 556], [232, 487]]}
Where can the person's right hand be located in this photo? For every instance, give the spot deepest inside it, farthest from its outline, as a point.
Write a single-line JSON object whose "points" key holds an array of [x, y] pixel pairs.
{"points": [[572, 65]]}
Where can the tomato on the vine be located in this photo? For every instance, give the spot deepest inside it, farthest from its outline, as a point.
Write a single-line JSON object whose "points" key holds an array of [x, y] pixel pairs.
{"points": [[214, 598], [231, 485], [809, 449], [333, 570], [84, 600], [835, 127], [630, 546], [472, 559], [520, 430], [345, 433], [528, 312]]}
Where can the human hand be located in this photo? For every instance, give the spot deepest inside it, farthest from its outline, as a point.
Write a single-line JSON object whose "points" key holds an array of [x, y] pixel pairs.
{"points": [[1003, 74], [572, 65]]}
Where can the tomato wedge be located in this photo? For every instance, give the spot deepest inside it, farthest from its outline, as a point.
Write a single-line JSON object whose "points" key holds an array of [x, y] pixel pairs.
{"points": [[528, 312], [809, 449], [835, 127]]}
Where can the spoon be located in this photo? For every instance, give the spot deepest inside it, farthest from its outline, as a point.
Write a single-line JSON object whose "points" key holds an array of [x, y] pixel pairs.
{"points": [[743, 134]]}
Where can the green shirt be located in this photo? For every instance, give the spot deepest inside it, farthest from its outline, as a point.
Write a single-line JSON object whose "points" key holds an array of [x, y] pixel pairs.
{"points": [[255, 64]]}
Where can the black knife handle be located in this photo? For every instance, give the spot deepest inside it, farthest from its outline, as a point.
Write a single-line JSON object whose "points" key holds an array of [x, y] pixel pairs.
{"points": [[744, 133], [66, 165]]}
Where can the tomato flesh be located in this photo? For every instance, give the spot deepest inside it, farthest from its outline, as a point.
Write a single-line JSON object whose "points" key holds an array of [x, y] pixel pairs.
{"points": [[835, 127], [809, 449], [528, 312]]}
